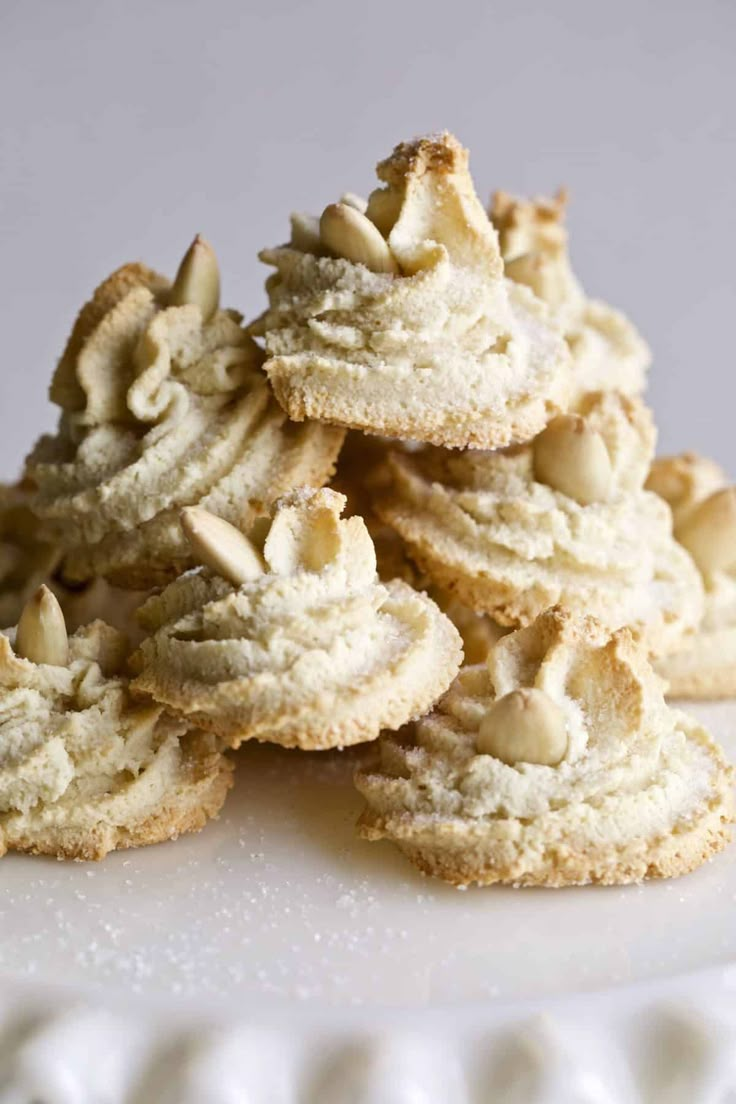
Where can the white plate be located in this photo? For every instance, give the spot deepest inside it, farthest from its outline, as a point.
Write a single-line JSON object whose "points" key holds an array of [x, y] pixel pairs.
{"points": [[277, 917]]}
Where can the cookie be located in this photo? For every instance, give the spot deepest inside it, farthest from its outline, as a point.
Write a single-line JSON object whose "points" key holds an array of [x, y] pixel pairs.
{"points": [[394, 316], [164, 404], [558, 763], [290, 637], [704, 510], [562, 519], [84, 767], [607, 351]]}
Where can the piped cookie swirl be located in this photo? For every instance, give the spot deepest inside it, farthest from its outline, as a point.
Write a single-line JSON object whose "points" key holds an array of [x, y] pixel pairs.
{"points": [[562, 519], [392, 315], [164, 405], [85, 768], [557, 763], [288, 636]]}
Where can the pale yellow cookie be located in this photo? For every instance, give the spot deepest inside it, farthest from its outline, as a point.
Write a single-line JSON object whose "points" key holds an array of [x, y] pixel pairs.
{"points": [[563, 519], [290, 637], [84, 768], [26, 561], [557, 763], [397, 319], [607, 351], [164, 404], [704, 510]]}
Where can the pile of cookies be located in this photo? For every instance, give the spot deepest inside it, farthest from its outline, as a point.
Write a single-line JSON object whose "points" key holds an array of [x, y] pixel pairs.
{"points": [[415, 502]]}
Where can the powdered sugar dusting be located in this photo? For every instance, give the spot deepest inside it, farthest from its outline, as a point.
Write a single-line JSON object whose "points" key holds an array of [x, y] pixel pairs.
{"points": [[278, 900]]}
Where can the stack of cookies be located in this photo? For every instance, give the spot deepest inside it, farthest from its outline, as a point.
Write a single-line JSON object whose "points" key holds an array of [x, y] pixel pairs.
{"points": [[492, 588]]}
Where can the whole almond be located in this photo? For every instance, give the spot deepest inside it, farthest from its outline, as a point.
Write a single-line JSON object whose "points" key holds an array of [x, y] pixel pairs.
{"points": [[525, 726], [573, 459], [347, 233], [220, 546], [41, 635], [198, 279]]}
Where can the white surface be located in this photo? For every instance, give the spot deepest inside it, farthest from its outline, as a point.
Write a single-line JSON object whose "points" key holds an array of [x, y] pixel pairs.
{"points": [[126, 127], [274, 958], [278, 902], [673, 1043]]}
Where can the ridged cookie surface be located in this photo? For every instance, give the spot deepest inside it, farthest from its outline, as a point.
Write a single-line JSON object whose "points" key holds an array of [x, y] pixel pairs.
{"points": [[84, 768], [162, 407], [398, 320], [311, 650], [512, 536], [558, 763]]}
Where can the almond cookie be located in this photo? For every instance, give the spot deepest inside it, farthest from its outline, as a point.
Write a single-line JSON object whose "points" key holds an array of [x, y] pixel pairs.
{"points": [[164, 404], [26, 561], [290, 637], [394, 316], [704, 511], [607, 351], [558, 763], [84, 768], [563, 519]]}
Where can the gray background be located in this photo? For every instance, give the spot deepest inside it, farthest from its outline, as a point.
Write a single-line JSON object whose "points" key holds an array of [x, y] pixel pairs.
{"points": [[126, 127]]}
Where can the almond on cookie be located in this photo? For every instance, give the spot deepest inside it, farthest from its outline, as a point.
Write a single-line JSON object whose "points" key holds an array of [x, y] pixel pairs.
{"points": [[288, 636], [86, 768], [393, 316], [556, 763]]}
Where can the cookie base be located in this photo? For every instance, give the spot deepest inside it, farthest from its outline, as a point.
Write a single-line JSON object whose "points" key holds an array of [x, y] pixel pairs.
{"points": [[198, 799], [486, 429], [464, 851], [669, 858]]}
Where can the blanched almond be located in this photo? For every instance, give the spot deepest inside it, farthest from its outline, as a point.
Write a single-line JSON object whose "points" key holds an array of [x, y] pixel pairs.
{"points": [[41, 635], [220, 546], [198, 279], [573, 459], [525, 726], [347, 233]]}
